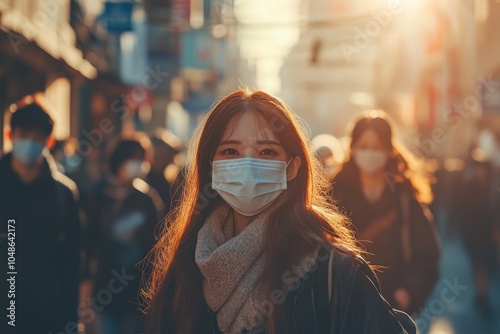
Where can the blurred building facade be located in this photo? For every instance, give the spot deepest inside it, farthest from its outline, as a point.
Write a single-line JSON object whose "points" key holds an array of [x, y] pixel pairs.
{"points": [[425, 62], [176, 57], [39, 53], [332, 64]]}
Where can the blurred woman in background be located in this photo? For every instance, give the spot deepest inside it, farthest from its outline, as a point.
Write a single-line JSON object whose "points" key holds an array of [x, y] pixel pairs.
{"points": [[254, 246], [385, 196]]}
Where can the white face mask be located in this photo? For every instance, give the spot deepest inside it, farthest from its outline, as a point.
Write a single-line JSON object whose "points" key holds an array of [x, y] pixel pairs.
{"points": [[370, 161], [135, 168], [249, 185]]}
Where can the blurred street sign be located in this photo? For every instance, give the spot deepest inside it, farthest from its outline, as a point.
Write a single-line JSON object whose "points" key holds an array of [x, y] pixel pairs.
{"points": [[117, 16], [196, 51]]}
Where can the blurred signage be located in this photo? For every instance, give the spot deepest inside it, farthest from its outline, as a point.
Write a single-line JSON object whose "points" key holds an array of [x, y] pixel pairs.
{"points": [[196, 50], [181, 11], [117, 16]]}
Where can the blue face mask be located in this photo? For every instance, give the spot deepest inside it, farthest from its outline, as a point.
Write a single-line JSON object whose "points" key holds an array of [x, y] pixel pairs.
{"points": [[27, 151]]}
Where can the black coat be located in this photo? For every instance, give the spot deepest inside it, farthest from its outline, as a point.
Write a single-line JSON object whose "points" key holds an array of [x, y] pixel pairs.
{"points": [[47, 249], [398, 233], [356, 306]]}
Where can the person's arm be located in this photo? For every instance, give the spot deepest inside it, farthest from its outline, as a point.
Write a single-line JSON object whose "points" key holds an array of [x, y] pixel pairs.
{"points": [[364, 310], [72, 266]]}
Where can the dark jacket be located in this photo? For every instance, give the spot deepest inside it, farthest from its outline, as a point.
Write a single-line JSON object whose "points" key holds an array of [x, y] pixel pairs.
{"points": [[398, 234], [355, 307], [46, 235]]}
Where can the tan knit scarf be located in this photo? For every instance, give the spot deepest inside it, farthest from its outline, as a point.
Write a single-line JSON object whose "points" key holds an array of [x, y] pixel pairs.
{"points": [[231, 268]]}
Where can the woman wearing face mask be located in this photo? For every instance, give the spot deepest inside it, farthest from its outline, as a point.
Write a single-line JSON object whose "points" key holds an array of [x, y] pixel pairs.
{"points": [[254, 246], [385, 197], [122, 218]]}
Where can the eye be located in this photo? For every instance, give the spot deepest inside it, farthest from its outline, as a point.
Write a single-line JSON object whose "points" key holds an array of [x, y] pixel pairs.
{"points": [[230, 151], [268, 151]]}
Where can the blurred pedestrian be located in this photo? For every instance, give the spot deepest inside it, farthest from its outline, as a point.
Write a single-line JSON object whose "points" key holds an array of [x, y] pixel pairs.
{"points": [[165, 146], [329, 152], [382, 192], [66, 157], [473, 212], [122, 219], [38, 205], [254, 246]]}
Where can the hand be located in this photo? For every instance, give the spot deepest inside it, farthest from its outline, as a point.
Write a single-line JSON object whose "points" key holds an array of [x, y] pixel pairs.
{"points": [[86, 290], [88, 317], [403, 299]]}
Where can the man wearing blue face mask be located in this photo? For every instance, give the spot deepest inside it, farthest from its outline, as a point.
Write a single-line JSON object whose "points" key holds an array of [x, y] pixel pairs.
{"points": [[39, 214]]}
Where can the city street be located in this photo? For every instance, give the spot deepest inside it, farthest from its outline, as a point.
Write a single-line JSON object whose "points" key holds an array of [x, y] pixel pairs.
{"points": [[181, 166]]}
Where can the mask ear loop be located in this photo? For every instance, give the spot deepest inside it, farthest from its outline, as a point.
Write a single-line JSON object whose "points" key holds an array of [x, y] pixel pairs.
{"points": [[286, 166]]}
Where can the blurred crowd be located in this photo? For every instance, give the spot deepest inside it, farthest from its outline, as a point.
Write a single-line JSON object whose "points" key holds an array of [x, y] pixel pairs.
{"points": [[90, 222]]}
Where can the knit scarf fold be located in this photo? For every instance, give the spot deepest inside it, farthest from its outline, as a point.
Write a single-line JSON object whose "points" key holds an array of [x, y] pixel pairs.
{"points": [[231, 269]]}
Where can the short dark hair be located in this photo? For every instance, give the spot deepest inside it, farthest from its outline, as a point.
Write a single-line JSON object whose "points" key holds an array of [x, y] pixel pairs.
{"points": [[125, 149], [32, 117]]}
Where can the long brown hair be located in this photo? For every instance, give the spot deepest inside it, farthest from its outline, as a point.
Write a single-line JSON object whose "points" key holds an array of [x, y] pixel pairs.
{"points": [[402, 166], [175, 302]]}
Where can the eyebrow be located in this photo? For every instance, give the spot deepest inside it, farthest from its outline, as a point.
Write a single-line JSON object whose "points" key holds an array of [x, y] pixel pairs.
{"points": [[259, 142]]}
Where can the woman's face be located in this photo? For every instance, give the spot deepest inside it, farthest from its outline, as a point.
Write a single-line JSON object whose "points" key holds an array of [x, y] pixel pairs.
{"points": [[250, 136], [369, 154], [249, 187]]}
